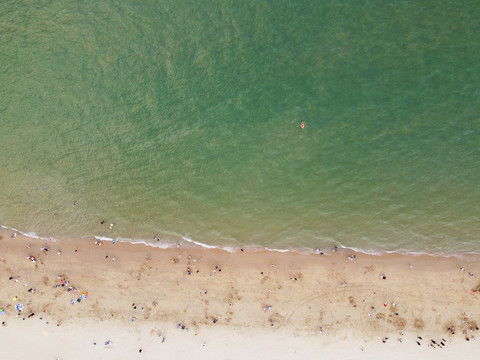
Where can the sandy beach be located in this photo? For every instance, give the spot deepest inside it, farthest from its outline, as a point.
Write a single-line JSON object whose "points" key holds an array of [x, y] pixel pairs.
{"points": [[81, 298]]}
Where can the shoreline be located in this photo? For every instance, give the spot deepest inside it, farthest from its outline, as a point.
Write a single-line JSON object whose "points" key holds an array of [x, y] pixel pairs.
{"points": [[201, 299], [252, 248]]}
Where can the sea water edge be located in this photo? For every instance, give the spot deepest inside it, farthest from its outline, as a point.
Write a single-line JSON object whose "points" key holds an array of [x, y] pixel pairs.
{"points": [[185, 243]]}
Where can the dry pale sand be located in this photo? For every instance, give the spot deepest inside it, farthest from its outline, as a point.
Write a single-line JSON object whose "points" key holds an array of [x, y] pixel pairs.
{"points": [[196, 303]]}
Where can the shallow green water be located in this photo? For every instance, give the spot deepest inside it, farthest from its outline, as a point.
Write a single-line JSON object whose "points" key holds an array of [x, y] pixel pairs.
{"points": [[182, 119]]}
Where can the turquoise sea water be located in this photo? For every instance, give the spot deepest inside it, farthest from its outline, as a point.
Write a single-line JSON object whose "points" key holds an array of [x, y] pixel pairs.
{"points": [[182, 119]]}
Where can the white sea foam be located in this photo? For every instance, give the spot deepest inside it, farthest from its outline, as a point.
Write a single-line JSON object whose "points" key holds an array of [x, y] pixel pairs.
{"points": [[277, 250], [324, 250], [198, 243], [159, 245], [30, 234], [103, 238]]}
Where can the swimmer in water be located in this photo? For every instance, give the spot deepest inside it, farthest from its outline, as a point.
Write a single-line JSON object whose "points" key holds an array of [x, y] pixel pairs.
{"points": [[302, 125]]}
